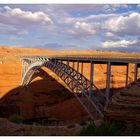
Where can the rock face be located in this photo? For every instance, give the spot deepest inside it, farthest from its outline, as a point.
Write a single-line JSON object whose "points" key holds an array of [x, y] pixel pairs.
{"points": [[10, 129], [125, 106]]}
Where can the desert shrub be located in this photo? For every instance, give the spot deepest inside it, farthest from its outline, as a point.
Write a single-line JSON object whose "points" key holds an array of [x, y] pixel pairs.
{"points": [[124, 90], [82, 123], [109, 129], [88, 130], [71, 125], [15, 118], [105, 129]]}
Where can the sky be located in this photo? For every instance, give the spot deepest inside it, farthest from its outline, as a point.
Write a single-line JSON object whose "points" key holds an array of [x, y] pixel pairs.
{"points": [[113, 27]]}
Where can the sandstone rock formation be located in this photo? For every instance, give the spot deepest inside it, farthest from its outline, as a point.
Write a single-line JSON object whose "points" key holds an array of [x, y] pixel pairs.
{"points": [[125, 106]]}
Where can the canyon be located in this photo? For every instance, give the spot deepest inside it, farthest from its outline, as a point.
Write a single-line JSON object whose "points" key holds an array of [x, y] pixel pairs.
{"points": [[47, 95]]}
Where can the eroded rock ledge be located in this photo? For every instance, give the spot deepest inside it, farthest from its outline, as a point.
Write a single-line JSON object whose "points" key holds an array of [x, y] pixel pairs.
{"points": [[125, 105]]}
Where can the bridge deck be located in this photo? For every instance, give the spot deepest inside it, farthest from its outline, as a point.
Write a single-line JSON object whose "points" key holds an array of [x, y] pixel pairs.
{"points": [[116, 60]]}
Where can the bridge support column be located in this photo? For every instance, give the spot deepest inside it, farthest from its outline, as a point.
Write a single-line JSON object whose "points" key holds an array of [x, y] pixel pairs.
{"points": [[82, 68], [127, 73], [61, 61], [91, 77], [32, 60], [73, 76], [135, 72], [73, 65], [108, 80], [77, 76], [55, 61], [68, 69], [81, 71], [67, 63]]}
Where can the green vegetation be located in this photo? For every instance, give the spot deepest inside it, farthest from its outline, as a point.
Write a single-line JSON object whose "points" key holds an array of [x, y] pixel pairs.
{"points": [[15, 118], [83, 123], [105, 129], [124, 91], [45, 131], [88, 130], [71, 125]]}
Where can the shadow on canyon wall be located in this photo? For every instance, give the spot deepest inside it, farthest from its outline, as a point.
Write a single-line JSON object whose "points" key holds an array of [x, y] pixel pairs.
{"points": [[43, 98]]}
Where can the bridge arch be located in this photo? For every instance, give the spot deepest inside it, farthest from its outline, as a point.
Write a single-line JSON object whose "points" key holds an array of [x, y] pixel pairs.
{"points": [[26, 78], [76, 82]]}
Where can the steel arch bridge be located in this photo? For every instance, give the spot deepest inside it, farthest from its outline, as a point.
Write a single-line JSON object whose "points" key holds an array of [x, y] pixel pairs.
{"points": [[90, 97]]}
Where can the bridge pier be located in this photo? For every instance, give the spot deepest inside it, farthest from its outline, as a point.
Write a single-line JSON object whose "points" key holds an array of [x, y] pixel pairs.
{"points": [[54, 61], [82, 68], [77, 76], [108, 80], [82, 71], [68, 70], [91, 78], [135, 72], [127, 74], [73, 66]]}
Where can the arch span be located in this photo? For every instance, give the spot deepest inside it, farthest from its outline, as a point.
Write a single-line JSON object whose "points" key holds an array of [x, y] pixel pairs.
{"points": [[76, 82]]}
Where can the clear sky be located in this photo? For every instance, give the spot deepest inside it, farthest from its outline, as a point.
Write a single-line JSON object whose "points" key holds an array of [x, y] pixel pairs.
{"points": [[71, 26]]}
